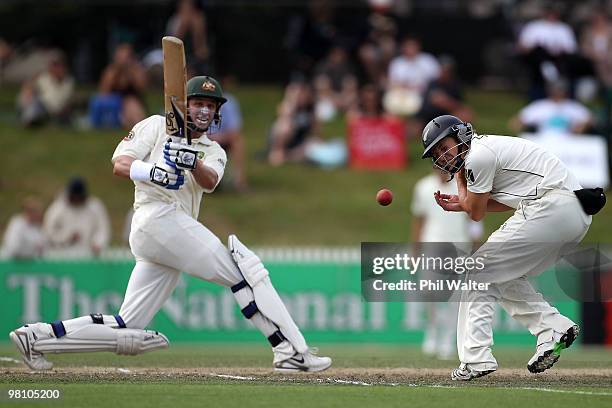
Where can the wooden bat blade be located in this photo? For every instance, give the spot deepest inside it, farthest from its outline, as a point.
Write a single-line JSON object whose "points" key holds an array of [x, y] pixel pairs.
{"points": [[175, 83]]}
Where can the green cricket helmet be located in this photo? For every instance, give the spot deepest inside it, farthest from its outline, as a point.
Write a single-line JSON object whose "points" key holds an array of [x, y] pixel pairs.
{"points": [[205, 87]]}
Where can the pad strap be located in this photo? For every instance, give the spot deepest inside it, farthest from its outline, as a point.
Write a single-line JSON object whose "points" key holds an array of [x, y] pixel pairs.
{"points": [[58, 328], [276, 338], [239, 286], [249, 310]]}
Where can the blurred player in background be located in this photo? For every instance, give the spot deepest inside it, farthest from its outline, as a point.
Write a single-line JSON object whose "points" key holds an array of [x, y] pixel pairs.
{"points": [[170, 177], [76, 222], [24, 237], [552, 214], [431, 223]]}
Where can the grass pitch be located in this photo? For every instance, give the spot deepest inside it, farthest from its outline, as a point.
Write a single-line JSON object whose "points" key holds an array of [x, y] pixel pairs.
{"points": [[362, 376]]}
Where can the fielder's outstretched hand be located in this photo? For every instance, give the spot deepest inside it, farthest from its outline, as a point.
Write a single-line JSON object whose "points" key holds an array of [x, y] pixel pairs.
{"points": [[180, 155], [448, 202]]}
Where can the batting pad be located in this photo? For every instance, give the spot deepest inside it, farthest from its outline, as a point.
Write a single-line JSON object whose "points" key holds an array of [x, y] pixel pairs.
{"points": [[97, 337], [267, 299]]}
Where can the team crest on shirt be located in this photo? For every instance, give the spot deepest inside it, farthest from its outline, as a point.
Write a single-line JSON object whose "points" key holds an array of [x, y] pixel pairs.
{"points": [[200, 155], [129, 136], [469, 176]]}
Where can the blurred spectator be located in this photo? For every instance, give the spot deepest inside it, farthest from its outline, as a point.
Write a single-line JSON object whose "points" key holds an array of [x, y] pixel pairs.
{"points": [[596, 44], [335, 84], [547, 45], [48, 96], [77, 221], [370, 104], [120, 100], [230, 135], [431, 224], [24, 237], [554, 114], [379, 47], [311, 35], [409, 75], [5, 54], [444, 96], [295, 125], [189, 24]]}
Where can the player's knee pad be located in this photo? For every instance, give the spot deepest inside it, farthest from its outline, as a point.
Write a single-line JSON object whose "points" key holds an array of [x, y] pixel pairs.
{"points": [[247, 261]]}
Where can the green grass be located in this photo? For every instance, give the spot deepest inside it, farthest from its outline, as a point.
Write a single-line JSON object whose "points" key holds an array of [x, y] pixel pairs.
{"points": [[161, 387], [179, 394], [290, 205]]}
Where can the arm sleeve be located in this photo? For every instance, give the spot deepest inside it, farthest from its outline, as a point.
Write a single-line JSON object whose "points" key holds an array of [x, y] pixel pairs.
{"points": [[216, 159], [480, 169], [140, 141]]}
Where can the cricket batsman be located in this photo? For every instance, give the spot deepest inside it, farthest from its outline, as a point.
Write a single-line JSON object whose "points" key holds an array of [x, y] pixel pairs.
{"points": [[551, 212], [166, 239]]}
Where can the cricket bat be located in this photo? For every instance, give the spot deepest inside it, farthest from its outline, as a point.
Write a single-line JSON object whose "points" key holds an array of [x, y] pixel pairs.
{"points": [[175, 87]]}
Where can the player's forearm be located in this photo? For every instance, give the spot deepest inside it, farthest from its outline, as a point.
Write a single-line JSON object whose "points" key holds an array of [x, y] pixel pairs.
{"points": [[494, 206], [205, 176], [122, 165]]}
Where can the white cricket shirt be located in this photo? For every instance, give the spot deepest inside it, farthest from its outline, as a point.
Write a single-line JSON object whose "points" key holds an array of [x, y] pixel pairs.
{"points": [[514, 169], [146, 142]]}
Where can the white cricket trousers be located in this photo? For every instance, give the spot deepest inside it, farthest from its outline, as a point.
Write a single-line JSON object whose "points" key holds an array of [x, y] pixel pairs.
{"points": [[532, 241], [165, 240]]}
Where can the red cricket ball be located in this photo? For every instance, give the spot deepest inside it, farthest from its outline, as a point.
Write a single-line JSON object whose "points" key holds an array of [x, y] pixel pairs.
{"points": [[384, 197]]}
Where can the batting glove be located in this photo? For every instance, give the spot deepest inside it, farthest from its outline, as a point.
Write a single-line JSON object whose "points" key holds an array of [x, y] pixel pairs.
{"points": [[171, 178], [180, 155]]}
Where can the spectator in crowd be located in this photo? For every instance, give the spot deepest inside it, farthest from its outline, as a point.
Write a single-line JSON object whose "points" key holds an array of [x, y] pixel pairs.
{"points": [[295, 126], [554, 114], [230, 135], [443, 96], [370, 104], [596, 44], [24, 237], [431, 224], [547, 45], [409, 75], [311, 35], [120, 100], [378, 48], [48, 96], [189, 24], [335, 84], [77, 222]]}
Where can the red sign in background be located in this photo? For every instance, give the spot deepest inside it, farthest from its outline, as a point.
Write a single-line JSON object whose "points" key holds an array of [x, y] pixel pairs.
{"points": [[377, 143]]}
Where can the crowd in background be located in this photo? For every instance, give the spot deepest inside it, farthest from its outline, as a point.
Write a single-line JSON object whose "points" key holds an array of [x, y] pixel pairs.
{"points": [[380, 71]]}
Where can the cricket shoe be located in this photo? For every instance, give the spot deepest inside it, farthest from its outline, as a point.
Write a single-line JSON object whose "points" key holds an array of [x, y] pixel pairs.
{"points": [[467, 373], [548, 353], [25, 337], [305, 362]]}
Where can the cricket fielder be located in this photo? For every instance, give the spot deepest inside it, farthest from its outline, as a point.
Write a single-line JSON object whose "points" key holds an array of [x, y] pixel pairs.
{"points": [[166, 238], [551, 210]]}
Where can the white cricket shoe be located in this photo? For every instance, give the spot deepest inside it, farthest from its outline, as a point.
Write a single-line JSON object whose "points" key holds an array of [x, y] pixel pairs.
{"points": [[466, 373], [547, 354], [307, 362], [25, 337]]}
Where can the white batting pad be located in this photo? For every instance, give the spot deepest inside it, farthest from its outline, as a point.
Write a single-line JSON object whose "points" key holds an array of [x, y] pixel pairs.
{"points": [[267, 299], [98, 337]]}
